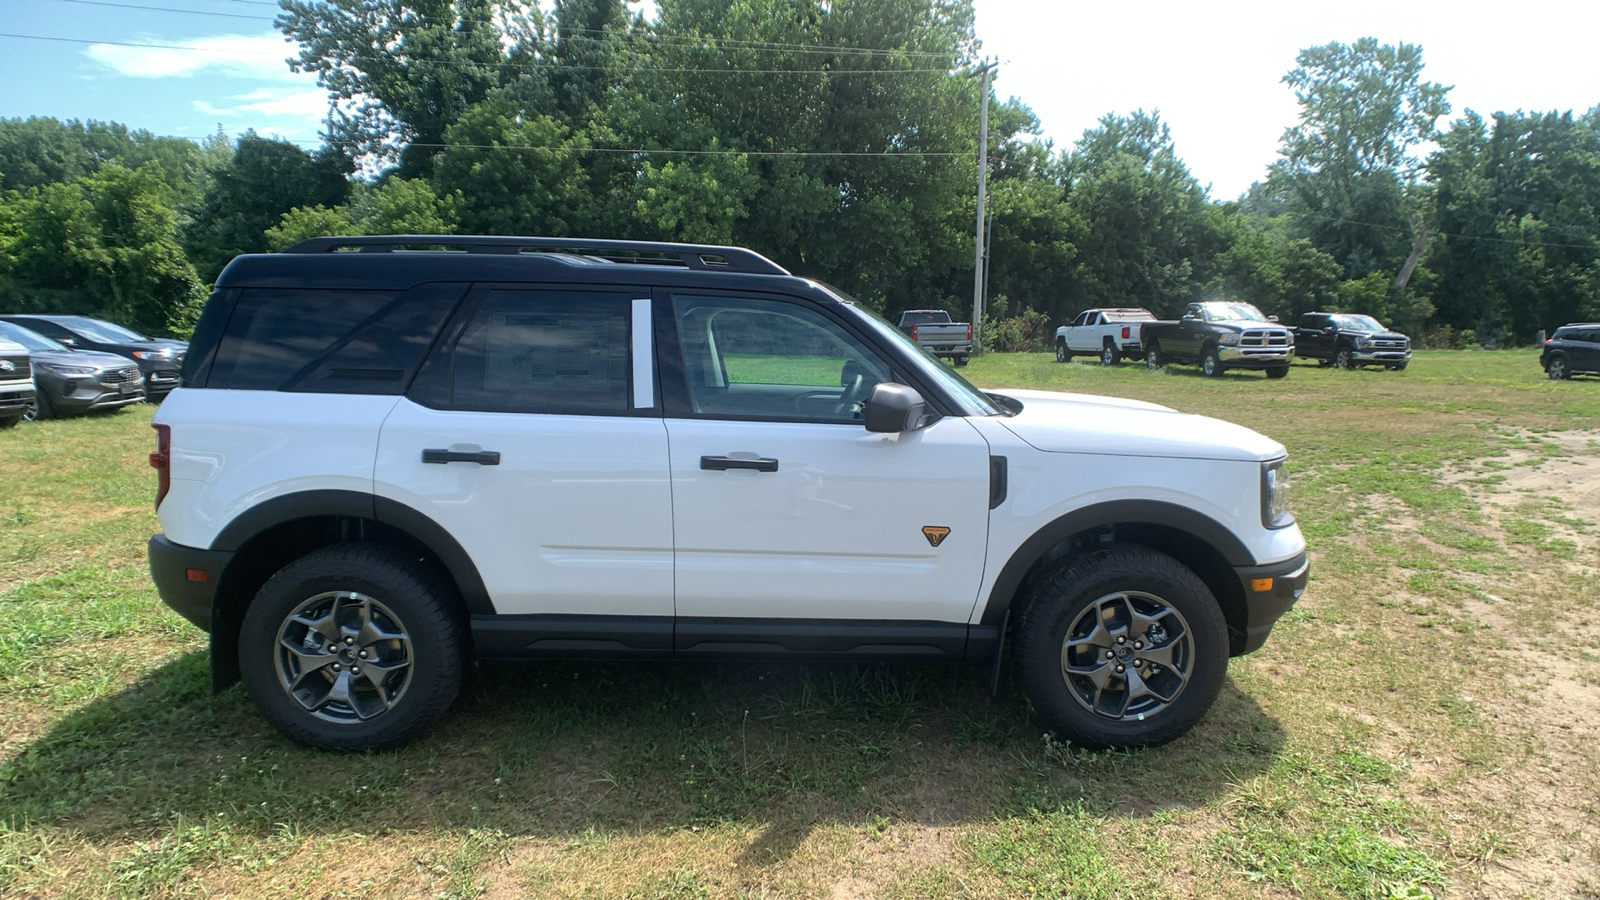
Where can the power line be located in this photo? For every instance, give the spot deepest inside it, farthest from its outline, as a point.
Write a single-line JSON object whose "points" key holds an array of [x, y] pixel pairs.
{"points": [[1340, 220], [191, 12], [636, 150], [492, 65], [572, 33]]}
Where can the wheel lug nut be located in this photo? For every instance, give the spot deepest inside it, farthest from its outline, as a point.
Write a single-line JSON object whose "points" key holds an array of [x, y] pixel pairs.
{"points": [[1138, 645], [1122, 640], [336, 667], [1120, 668], [349, 640], [362, 654], [355, 670]]}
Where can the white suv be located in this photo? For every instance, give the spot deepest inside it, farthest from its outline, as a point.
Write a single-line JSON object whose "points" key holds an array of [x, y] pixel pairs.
{"points": [[383, 464]]}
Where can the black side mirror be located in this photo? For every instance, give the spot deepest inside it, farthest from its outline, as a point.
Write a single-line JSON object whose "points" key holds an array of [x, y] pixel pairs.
{"points": [[894, 408], [69, 342]]}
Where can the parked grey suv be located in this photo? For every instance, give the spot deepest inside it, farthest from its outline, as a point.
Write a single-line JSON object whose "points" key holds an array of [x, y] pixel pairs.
{"points": [[70, 382], [160, 359], [1573, 350]]}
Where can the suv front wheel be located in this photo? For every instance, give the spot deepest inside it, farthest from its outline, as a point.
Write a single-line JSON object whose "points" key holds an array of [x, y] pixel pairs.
{"points": [[1124, 647], [352, 647]]}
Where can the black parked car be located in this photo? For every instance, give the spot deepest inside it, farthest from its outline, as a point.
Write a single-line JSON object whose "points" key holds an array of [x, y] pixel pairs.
{"points": [[159, 359], [1573, 350], [70, 382]]}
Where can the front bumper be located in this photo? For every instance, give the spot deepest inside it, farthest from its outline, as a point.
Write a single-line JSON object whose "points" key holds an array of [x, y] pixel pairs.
{"points": [[1387, 357], [80, 395], [1255, 357], [15, 398], [161, 382], [174, 568], [1269, 592]]}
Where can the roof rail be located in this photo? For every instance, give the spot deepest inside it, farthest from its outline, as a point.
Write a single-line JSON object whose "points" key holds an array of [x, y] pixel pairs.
{"points": [[694, 256]]}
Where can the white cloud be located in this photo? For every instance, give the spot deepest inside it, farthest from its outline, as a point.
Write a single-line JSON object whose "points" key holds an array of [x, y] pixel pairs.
{"points": [[259, 56], [273, 101]]}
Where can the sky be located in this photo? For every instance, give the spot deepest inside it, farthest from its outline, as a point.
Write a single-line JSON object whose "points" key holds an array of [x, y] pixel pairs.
{"points": [[1212, 70]]}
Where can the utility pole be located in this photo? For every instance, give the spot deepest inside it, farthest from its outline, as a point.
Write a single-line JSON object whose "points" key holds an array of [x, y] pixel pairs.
{"points": [[983, 189]]}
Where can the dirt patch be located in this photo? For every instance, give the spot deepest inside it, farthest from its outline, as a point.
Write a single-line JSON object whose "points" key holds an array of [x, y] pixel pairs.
{"points": [[1553, 796]]}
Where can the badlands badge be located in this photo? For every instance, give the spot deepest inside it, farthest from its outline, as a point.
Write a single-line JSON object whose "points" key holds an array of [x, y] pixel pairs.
{"points": [[935, 534]]}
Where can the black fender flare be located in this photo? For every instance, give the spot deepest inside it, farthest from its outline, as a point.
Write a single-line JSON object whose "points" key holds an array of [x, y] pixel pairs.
{"points": [[359, 505], [1100, 515]]}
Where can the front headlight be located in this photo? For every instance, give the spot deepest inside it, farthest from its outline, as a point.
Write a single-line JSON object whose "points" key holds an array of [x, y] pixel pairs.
{"points": [[153, 354], [1275, 495], [1364, 341], [1230, 338], [59, 369]]}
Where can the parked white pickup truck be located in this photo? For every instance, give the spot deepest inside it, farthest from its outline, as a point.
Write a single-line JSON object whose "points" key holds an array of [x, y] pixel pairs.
{"points": [[1110, 334]]}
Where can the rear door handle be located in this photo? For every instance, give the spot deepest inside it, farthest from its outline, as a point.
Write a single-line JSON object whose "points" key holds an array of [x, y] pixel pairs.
{"points": [[727, 462], [481, 457]]}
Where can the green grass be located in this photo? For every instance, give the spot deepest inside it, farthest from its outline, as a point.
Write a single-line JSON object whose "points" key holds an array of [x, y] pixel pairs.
{"points": [[1378, 746]]}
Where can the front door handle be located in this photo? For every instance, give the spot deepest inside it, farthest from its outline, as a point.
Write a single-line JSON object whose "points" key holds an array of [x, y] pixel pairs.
{"points": [[481, 457], [722, 463]]}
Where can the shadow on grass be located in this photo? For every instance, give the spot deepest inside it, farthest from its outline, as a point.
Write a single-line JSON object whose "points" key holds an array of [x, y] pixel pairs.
{"points": [[560, 750]]}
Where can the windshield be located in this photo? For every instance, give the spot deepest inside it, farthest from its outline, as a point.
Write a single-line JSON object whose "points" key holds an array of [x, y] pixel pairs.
{"points": [[925, 318], [1232, 312], [973, 401], [101, 332], [29, 339], [1358, 323]]}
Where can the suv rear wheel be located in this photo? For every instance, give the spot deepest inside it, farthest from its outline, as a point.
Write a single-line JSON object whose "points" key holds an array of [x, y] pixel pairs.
{"points": [[1124, 647], [352, 647], [1558, 368]]}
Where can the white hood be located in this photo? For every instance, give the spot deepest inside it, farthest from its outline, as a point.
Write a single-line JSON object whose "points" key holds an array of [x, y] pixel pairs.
{"points": [[1084, 423]]}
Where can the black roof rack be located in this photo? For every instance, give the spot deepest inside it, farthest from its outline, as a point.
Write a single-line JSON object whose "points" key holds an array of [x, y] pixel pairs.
{"points": [[693, 256]]}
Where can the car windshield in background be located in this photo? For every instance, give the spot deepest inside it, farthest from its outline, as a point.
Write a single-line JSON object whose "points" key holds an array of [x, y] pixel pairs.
{"points": [[1358, 323], [924, 319], [102, 332], [1233, 312], [29, 339]]}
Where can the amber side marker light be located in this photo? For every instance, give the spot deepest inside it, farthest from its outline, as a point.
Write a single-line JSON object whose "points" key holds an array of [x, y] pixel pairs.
{"points": [[1259, 585], [198, 576]]}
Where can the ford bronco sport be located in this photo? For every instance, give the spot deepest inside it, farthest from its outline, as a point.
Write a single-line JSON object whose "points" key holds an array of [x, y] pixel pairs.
{"points": [[384, 464]]}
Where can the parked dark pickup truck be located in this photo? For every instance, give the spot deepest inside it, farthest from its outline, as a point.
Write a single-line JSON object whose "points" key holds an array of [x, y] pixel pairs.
{"points": [[1220, 335], [934, 332], [1349, 341]]}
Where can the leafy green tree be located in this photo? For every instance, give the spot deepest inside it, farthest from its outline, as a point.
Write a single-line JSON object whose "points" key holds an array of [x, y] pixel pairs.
{"points": [[1147, 238], [1345, 167], [404, 70], [103, 245], [264, 180], [521, 174], [304, 222]]}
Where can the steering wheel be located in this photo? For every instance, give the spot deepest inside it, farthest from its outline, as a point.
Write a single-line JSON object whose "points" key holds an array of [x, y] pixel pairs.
{"points": [[853, 377]]}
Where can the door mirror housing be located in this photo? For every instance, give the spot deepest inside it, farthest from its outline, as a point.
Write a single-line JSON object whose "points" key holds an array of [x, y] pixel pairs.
{"points": [[1272, 318], [66, 341], [894, 408]]}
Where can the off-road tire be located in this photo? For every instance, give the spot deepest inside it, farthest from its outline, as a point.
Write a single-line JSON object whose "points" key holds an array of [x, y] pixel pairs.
{"points": [[1278, 372], [1062, 598], [410, 595]]}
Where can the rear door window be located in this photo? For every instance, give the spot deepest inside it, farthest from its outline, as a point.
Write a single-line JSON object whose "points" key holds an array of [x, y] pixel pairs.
{"points": [[540, 351]]}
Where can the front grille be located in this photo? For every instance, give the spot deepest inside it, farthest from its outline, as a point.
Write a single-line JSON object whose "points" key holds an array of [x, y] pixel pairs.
{"points": [[120, 376], [19, 367], [1264, 338], [163, 377], [1389, 345]]}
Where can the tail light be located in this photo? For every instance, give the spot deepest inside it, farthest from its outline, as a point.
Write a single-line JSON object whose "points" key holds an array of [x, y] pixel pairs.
{"points": [[161, 461], [914, 330], [1127, 332], [969, 331]]}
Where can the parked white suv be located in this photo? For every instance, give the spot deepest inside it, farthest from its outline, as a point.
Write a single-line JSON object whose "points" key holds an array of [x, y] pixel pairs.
{"points": [[16, 383], [383, 464]]}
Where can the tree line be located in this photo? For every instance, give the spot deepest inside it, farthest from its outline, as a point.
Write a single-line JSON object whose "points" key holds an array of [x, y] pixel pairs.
{"points": [[838, 137]]}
